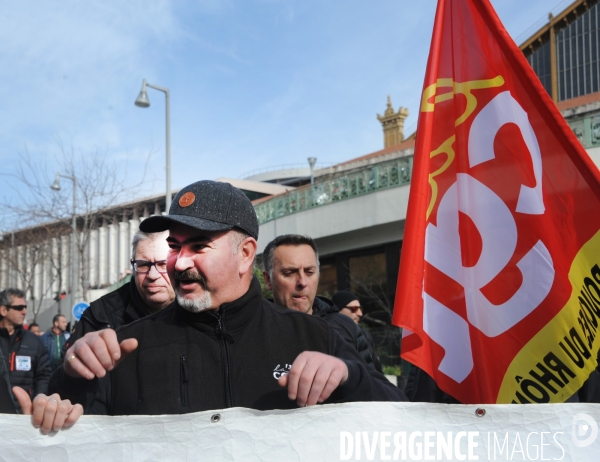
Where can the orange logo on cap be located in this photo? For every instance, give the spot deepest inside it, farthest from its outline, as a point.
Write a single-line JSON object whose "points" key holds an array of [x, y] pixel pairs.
{"points": [[187, 199]]}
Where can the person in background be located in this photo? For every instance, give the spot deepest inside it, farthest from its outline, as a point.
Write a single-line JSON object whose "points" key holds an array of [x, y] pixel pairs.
{"points": [[34, 328], [49, 413], [25, 357], [291, 264], [349, 305], [149, 290], [55, 339]]}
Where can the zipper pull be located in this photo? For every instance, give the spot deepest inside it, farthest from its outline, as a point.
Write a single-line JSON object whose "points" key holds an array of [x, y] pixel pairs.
{"points": [[184, 370], [221, 333]]}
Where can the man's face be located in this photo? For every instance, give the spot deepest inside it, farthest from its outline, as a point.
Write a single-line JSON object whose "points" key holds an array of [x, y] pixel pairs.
{"points": [[295, 277], [12, 316], [353, 310], [34, 330], [155, 288], [203, 267], [61, 324]]}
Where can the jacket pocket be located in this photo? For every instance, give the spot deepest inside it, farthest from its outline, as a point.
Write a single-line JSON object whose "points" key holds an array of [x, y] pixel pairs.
{"points": [[183, 380]]}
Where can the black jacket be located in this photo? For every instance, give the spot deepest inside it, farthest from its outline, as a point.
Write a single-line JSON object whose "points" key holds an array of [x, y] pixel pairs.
{"points": [[420, 387], [371, 343], [26, 359], [7, 405], [345, 326], [190, 362], [113, 310]]}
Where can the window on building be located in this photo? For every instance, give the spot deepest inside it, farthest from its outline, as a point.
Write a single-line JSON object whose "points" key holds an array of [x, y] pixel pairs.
{"points": [[327, 279]]}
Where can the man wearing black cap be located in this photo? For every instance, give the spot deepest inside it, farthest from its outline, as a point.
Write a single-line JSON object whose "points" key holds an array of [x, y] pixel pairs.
{"points": [[220, 344], [349, 306]]}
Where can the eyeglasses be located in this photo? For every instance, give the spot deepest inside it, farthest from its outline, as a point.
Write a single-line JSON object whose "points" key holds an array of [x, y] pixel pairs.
{"points": [[143, 266], [354, 309], [16, 307]]}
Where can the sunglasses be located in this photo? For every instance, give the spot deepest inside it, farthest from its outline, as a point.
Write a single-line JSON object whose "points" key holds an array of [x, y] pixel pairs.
{"points": [[16, 307], [354, 309], [143, 266]]}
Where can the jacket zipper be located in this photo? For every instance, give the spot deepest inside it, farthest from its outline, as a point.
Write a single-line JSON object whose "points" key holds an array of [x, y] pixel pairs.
{"points": [[225, 358], [184, 380]]}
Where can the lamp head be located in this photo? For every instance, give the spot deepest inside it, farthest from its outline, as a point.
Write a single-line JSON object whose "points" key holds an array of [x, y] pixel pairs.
{"points": [[142, 99], [312, 161], [56, 185]]}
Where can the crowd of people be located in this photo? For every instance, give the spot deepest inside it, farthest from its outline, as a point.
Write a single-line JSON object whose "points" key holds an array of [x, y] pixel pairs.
{"points": [[192, 331]]}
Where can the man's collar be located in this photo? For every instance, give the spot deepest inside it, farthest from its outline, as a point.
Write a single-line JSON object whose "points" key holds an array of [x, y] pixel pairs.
{"points": [[4, 331], [234, 315]]}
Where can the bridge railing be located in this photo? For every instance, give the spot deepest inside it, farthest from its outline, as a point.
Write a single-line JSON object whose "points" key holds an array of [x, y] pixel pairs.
{"points": [[389, 174]]}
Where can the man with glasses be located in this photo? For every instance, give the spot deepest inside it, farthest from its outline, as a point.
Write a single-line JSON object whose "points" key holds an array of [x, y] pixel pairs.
{"points": [[291, 271], [148, 291], [25, 356]]}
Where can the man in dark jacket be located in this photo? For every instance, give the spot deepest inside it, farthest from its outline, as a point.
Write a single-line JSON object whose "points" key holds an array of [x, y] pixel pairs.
{"points": [[7, 405], [349, 305], [221, 344], [24, 354], [54, 340], [149, 290], [291, 271]]}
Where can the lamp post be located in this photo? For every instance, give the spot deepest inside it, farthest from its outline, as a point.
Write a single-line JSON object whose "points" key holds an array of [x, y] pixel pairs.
{"points": [[311, 162], [56, 187], [143, 101]]}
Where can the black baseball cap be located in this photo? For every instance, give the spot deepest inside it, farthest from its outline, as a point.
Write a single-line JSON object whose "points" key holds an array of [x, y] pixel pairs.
{"points": [[207, 206]]}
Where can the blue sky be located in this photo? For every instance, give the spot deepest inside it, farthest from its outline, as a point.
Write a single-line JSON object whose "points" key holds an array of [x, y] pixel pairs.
{"points": [[254, 83]]}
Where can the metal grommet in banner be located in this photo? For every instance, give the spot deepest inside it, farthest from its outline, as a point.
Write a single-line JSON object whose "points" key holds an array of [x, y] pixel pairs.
{"points": [[215, 418], [479, 412]]}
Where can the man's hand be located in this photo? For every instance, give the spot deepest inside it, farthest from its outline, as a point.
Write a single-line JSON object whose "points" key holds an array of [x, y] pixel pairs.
{"points": [[97, 353], [313, 377], [48, 413]]}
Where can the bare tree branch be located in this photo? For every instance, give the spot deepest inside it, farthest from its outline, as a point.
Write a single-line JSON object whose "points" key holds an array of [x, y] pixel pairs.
{"points": [[102, 184]]}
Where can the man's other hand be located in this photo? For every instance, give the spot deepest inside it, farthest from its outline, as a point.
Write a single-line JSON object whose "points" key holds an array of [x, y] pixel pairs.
{"points": [[313, 377], [97, 353], [48, 413]]}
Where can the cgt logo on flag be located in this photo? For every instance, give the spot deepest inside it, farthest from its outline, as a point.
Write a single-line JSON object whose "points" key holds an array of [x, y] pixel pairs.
{"points": [[499, 282], [497, 228]]}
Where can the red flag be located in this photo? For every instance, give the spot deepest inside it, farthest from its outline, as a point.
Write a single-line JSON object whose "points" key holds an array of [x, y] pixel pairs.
{"points": [[499, 283]]}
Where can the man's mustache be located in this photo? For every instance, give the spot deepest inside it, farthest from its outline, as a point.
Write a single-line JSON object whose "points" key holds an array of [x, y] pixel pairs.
{"points": [[190, 275]]}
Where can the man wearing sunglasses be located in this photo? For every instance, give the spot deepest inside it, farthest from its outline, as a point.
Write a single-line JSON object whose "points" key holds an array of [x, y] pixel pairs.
{"points": [[148, 291], [349, 305], [25, 356]]}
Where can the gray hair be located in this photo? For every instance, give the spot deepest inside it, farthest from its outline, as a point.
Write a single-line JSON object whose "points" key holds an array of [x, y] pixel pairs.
{"points": [[140, 236], [7, 295], [286, 239], [236, 237]]}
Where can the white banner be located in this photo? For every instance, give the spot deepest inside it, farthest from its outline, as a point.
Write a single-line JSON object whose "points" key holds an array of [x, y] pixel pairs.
{"points": [[354, 431]]}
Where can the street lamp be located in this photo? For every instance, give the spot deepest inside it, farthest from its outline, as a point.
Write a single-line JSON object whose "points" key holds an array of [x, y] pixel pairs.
{"points": [[312, 161], [143, 101], [56, 187]]}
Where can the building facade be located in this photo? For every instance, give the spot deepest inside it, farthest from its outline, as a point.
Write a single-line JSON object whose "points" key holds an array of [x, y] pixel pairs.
{"points": [[355, 210]]}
